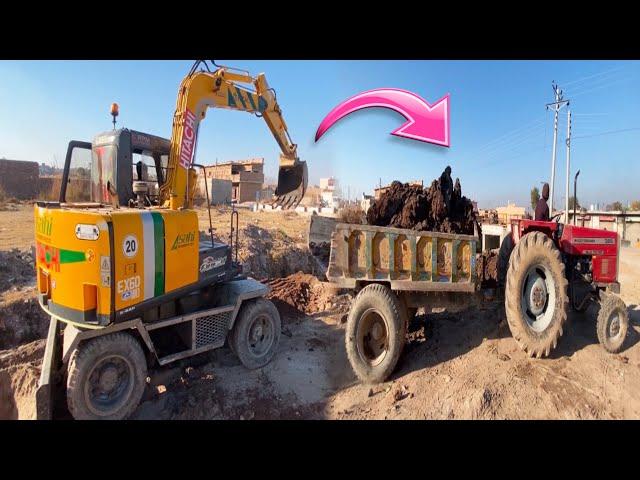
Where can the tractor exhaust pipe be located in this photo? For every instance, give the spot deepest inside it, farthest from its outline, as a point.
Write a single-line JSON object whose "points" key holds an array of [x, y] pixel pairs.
{"points": [[575, 195]]}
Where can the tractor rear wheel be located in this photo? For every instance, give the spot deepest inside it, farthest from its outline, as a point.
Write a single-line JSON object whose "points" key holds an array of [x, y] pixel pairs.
{"points": [[506, 247], [536, 298], [107, 376], [375, 333], [612, 324]]}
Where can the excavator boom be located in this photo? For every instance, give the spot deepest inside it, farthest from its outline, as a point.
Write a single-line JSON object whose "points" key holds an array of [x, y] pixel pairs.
{"points": [[224, 88]]}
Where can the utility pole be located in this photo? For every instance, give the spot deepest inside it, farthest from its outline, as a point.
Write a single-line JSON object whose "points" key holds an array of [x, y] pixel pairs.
{"points": [[568, 141], [556, 106]]}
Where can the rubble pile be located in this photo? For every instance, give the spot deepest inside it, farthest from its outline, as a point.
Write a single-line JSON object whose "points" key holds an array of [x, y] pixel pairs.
{"points": [[487, 269], [17, 268], [439, 208], [301, 294], [266, 254]]}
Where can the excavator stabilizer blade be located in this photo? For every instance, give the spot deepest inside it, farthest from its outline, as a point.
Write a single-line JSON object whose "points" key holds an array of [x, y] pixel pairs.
{"points": [[292, 184]]}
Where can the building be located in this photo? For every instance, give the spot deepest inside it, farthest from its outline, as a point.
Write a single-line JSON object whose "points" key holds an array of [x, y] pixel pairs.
{"points": [[19, 179], [329, 192], [365, 202], [510, 212], [328, 183], [246, 176]]}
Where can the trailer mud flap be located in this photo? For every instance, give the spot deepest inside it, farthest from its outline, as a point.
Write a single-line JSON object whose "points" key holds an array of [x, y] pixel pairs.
{"points": [[44, 393]]}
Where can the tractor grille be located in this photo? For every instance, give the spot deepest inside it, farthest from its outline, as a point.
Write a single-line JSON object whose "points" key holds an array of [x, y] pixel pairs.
{"points": [[212, 329]]}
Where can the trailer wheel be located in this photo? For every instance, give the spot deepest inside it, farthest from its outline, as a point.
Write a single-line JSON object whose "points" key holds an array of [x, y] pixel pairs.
{"points": [[106, 378], [536, 294], [375, 333], [612, 323], [256, 333]]}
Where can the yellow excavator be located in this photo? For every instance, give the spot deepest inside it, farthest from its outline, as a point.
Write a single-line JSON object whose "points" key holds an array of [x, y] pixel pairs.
{"points": [[123, 270]]}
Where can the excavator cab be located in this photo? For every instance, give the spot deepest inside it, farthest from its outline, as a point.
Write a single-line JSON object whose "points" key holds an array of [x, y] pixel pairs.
{"points": [[118, 166]]}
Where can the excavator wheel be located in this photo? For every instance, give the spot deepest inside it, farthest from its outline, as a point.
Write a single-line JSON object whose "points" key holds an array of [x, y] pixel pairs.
{"points": [[106, 377], [256, 333], [536, 300]]}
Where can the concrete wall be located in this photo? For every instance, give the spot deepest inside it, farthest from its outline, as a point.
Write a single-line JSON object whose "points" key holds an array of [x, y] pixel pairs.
{"points": [[19, 179], [220, 191]]}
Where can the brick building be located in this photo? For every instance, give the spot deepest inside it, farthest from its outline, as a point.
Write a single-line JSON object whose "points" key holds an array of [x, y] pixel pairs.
{"points": [[19, 179], [246, 176]]}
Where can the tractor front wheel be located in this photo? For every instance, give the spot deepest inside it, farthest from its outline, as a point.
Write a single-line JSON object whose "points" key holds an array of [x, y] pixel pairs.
{"points": [[536, 298], [612, 324]]}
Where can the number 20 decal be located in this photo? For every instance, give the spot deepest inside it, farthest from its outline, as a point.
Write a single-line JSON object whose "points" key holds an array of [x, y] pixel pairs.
{"points": [[130, 246]]}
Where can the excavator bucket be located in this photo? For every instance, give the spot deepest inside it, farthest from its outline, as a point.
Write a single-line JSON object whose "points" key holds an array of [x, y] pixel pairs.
{"points": [[292, 184]]}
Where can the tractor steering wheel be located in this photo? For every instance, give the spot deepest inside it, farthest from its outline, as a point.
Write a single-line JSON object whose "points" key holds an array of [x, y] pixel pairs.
{"points": [[556, 217]]}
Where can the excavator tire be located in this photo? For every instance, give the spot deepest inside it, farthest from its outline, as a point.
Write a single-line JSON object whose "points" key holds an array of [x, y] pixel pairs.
{"points": [[375, 333], [106, 377], [256, 333], [612, 324], [536, 300]]}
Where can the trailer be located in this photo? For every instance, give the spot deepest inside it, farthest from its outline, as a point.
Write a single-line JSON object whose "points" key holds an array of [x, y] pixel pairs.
{"points": [[544, 267], [394, 272]]}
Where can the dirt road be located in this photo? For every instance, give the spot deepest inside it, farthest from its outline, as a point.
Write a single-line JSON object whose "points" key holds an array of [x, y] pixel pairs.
{"points": [[455, 366]]}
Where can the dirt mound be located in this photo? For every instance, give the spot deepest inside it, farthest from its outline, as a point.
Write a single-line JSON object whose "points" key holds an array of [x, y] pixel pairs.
{"points": [[21, 318], [16, 269], [267, 254], [301, 294], [439, 208], [19, 374], [487, 269], [321, 251]]}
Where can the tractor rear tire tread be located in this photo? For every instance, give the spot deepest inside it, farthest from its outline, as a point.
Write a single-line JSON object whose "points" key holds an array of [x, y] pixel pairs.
{"points": [[531, 248], [504, 256]]}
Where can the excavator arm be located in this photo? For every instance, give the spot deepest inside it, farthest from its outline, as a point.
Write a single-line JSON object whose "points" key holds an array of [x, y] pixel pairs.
{"points": [[224, 88]]}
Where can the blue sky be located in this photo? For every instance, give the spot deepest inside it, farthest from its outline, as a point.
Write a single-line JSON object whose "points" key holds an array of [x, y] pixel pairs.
{"points": [[501, 133]]}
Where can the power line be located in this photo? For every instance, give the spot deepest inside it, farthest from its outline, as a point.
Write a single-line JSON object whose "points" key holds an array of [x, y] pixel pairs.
{"points": [[608, 85], [611, 132], [599, 74], [507, 135]]}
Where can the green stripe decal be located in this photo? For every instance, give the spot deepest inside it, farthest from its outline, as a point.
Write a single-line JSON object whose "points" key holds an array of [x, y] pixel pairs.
{"points": [[70, 256], [158, 236]]}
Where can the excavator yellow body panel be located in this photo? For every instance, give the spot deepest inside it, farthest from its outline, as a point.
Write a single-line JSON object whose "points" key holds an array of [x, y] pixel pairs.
{"points": [[94, 262]]}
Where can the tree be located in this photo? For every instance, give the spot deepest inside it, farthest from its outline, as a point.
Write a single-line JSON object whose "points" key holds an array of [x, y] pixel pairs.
{"points": [[535, 196], [635, 205], [572, 201], [617, 206]]}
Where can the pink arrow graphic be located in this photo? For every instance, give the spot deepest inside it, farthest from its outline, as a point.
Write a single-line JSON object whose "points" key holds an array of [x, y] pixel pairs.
{"points": [[427, 123]]}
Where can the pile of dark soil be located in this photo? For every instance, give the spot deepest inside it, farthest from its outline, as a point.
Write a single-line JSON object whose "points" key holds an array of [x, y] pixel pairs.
{"points": [[16, 268], [439, 208], [487, 269], [301, 294]]}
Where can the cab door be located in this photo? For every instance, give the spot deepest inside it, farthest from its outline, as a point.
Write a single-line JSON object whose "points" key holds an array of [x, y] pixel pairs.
{"points": [[77, 171]]}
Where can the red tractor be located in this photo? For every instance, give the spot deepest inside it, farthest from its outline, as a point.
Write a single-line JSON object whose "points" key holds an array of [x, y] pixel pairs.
{"points": [[547, 266]]}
